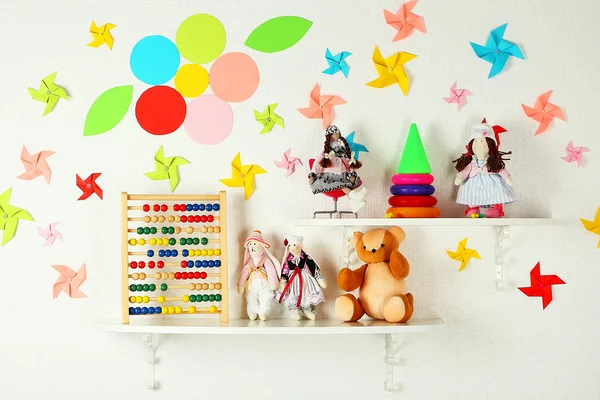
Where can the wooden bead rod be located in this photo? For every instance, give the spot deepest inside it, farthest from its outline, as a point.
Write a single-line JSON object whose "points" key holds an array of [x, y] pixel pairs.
{"points": [[185, 311], [141, 219], [151, 276], [175, 299], [174, 198], [143, 253], [187, 287]]}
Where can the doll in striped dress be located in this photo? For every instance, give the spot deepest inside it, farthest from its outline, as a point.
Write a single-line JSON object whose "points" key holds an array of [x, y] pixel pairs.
{"points": [[485, 185]]}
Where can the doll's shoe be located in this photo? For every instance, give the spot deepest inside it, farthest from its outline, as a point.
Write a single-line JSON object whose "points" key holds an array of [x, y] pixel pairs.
{"points": [[357, 205], [252, 317], [358, 194], [263, 317], [472, 210], [310, 315], [495, 211], [296, 315]]}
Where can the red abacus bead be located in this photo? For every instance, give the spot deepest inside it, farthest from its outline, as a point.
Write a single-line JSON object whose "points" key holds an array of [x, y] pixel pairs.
{"points": [[151, 264], [142, 264], [164, 208], [156, 208], [183, 218], [203, 275], [177, 275], [146, 207], [204, 218], [133, 264], [198, 218], [184, 275], [184, 264], [211, 218], [197, 275], [160, 264], [175, 207], [182, 207]]}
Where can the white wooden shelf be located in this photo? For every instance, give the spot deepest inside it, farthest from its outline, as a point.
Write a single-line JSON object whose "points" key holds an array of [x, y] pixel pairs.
{"points": [[270, 327], [426, 222]]}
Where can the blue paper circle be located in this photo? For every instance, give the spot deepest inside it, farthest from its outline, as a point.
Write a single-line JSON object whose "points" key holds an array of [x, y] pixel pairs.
{"points": [[154, 60]]}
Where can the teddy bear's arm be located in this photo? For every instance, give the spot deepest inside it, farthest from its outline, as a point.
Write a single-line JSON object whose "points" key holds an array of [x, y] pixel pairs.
{"points": [[399, 265], [349, 280]]}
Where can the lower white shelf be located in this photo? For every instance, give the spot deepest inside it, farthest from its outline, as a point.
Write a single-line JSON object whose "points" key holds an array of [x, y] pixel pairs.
{"points": [[269, 327]]}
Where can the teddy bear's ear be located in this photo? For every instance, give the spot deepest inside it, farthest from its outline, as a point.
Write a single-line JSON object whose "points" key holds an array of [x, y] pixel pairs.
{"points": [[398, 233], [355, 238]]}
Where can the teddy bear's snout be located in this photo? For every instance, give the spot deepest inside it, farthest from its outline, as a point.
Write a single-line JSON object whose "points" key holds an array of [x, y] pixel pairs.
{"points": [[373, 250]]}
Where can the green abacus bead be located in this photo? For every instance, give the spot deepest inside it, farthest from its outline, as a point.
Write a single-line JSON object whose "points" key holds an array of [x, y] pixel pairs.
{"points": [[164, 230], [211, 297], [163, 287], [192, 298], [172, 241], [218, 297], [139, 287], [147, 230], [132, 288], [152, 287], [205, 297], [140, 230], [189, 241], [153, 230], [171, 230], [196, 241], [146, 287], [182, 241], [204, 241]]}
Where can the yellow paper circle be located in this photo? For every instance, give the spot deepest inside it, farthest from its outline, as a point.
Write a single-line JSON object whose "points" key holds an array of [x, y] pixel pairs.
{"points": [[191, 80], [201, 38]]}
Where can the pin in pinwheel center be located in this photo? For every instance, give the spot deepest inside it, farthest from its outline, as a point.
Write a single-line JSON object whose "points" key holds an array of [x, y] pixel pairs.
{"points": [[89, 185], [390, 69], [48, 92], [165, 168], [497, 51], [242, 175], [5, 216]]}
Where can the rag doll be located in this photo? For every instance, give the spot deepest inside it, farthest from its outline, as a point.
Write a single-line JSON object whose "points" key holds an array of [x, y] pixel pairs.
{"points": [[485, 185], [301, 281], [335, 168], [259, 276]]}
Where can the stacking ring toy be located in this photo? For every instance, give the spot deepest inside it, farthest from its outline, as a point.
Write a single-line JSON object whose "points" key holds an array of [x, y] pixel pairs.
{"points": [[412, 201], [412, 179], [412, 212], [412, 190]]}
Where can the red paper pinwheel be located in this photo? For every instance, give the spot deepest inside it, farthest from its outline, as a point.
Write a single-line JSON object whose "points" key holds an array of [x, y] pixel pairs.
{"points": [[541, 285], [89, 186], [497, 131]]}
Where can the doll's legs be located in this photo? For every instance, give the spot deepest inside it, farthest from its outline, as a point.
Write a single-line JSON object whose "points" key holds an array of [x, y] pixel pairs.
{"points": [[348, 308], [296, 314], [309, 312], [398, 308], [470, 210], [264, 303], [495, 211], [252, 305]]}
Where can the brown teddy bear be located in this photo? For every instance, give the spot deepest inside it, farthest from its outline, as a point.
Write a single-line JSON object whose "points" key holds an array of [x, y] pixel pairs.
{"points": [[382, 293]]}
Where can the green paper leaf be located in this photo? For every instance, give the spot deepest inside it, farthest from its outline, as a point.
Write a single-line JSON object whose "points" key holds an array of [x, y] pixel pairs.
{"points": [[414, 159], [108, 110], [278, 34]]}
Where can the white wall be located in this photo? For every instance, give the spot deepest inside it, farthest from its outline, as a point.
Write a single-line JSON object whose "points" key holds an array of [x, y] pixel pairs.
{"points": [[497, 345]]}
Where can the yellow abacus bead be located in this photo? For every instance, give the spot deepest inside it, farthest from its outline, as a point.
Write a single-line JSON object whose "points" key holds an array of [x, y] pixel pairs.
{"points": [[178, 310], [152, 242], [177, 218], [212, 309], [142, 276], [154, 218], [161, 299], [217, 229], [139, 299], [146, 299], [135, 276], [197, 252], [205, 286], [204, 229], [132, 242], [164, 310], [170, 218], [158, 241], [186, 298], [192, 286], [211, 286], [147, 219], [164, 275], [161, 218], [204, 253], [157, 275], [192, 310], [171, 275], [141, 242], [189, 229], [217, 252], [211, 229], [177, 230], [171, 310], [132, 299], [165, 241], [218, 286], [210, 252]]}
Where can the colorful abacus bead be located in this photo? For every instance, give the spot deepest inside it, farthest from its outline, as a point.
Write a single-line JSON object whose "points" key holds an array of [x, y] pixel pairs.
{"points": [[150, 253], [146, 207], [192, 310], [216, 207], [212, 309]]}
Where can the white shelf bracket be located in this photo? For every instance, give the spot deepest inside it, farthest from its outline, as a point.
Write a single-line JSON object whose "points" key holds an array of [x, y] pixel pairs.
{"points": [[149, 339], [392, 348], [502, 233]]}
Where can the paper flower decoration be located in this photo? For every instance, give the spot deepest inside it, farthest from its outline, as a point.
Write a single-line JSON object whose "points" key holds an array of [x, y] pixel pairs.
{"points": [[48, 93], [574, 153], [321, 107], [337, 63], [10, 216], [36, 165], [268, 119], [497, 51], [541, 285], [166, 168], [404, 20], [391, 70], [101, 35], [243, 176], [50, 234], [463, 254], [288, 163], [458, 96], [543, 112], [69, 281], [88, 186]]}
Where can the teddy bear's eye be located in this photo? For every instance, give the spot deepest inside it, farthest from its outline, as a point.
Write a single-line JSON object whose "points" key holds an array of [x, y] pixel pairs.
{"points": [[382, 245], [365, 247]]}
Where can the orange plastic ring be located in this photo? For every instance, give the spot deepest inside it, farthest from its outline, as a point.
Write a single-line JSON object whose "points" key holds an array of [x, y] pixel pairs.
{"points": [[412, 212]]}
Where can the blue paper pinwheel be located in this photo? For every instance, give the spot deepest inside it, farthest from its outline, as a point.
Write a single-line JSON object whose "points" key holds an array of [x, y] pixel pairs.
{"points": [[337, 63], [497, 50], [356, 148]]}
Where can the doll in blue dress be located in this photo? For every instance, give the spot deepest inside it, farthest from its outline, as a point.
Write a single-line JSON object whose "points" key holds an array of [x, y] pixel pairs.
{"points": [[485, 184]]}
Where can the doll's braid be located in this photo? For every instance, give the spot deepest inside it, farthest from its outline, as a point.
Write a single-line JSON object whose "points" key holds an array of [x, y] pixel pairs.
{"points": [[357, 164], [495, 161], [326, 162]]}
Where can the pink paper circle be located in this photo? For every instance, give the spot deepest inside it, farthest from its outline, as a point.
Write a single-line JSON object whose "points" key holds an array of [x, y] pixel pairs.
{"points": [[209, 119], [234, 77]]}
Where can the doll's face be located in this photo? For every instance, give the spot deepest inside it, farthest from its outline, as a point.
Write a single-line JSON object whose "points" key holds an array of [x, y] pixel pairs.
{"points": [[295, 249], [254, 247], [334, 137], [480, 148]]}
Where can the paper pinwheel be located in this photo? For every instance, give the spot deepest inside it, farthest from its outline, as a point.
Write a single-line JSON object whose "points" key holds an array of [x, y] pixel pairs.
{"points": [[36, 165], [337, 63], [48, 93], [10, 216], [391, 70], [268, 119], [69, 281], [50, 234], [497, 131], [574, 153], [497, 50], [463, 254], [321, 107], [89, 186], [458, 96], [541, 285], [166, 168], [593, 226], [543, 112], [243, 176], [355, 148], [288, 163], [404, 21], [101, 35]]}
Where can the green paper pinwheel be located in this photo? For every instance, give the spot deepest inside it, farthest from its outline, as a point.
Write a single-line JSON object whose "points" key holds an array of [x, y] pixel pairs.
{"points": [[268, 118], [10, 216], [166, 168], [48, 93]]}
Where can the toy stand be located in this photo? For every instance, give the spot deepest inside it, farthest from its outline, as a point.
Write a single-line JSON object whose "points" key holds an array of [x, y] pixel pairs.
{"points": [[334, 211]]}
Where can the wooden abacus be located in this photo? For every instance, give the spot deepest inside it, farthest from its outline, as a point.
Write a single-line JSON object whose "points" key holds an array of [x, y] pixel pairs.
{"points": [[164, 236]]}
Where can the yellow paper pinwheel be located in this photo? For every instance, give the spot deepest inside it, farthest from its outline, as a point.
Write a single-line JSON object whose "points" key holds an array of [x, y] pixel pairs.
{"points": [[101, 35], [391, 70], [243, 176], [463, 254], [593, 226], [48, 93]]}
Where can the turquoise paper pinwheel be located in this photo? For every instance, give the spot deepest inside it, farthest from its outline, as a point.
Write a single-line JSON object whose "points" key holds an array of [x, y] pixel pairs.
{"points": [[497, 50], [166, 168], [355, 148], [337, 63]]}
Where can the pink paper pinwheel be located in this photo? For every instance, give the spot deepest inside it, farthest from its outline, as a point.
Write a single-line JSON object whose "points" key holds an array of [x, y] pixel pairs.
{"points": [[574, 153], [36, 165], [543, 112], [50, 234], [404, 21], [288, 163], [321, 106], [69, 281], [458, 96]]}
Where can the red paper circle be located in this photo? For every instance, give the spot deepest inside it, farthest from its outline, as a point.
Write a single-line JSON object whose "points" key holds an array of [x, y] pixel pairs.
{"points": [[160, 110], [234, 77]]}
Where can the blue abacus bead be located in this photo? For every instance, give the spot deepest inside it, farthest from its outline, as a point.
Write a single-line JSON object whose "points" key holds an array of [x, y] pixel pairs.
{"points": [[195, 207], [161, 253], [211, 263], [185, 253], [217, 263], [198, 263], [158, 310], [201, 207], [150, 253], [137, 311], [150, 310], [205, 263], [144, 310], [167, 253], [209, 207], [174, 253], [190, 264], [188, 207], [216, 207], [131, 310]]}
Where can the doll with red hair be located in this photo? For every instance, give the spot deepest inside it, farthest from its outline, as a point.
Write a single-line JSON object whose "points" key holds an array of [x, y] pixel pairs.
{"points": [[485, 184]]}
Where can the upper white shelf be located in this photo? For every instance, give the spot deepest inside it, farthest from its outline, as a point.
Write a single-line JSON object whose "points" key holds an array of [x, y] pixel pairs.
{"points": [[426, 222], [205, 326]]}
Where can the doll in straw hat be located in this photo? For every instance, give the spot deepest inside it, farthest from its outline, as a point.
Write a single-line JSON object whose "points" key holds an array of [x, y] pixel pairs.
{"points": [[259, 276]]}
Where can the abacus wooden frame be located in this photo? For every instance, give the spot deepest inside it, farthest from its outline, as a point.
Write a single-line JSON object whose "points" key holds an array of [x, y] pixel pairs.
{"points": [[223, 310]]}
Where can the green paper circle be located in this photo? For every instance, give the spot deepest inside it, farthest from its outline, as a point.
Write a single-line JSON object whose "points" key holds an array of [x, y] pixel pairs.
{"points": [[201, 38]]}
